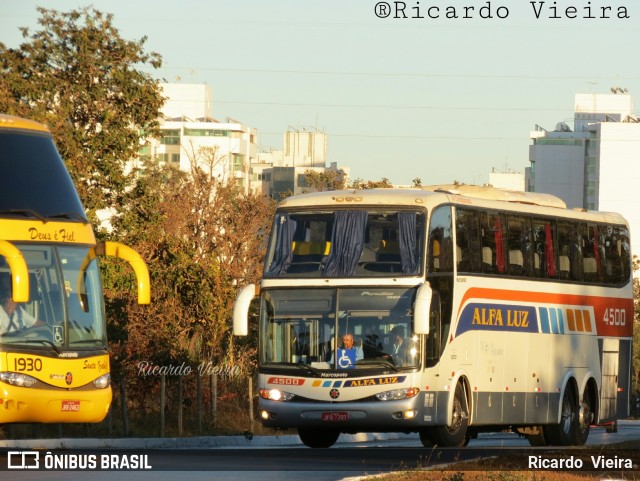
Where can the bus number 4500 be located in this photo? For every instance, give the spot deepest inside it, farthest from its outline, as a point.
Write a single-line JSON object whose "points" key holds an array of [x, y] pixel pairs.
{"points": [[615, 317]]}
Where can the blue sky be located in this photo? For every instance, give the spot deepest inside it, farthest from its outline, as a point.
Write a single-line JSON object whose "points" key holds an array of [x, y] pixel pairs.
{"points": [[439, 99]]}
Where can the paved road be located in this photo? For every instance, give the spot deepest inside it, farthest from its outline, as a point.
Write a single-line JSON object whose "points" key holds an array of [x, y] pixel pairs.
{"points": [[342, 461]]}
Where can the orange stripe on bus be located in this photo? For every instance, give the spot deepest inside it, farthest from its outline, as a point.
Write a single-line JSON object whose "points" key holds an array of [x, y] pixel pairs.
{"points": [[571, 320], [587, 320], [579, 323]]}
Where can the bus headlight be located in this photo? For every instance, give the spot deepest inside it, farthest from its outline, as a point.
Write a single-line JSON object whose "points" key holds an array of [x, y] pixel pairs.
{"points": [[103, 381], [276, 395], [398, 394], [15, 379]]}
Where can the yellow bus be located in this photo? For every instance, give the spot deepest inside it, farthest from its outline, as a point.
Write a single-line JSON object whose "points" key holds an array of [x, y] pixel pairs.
{"points": [[54, 362], [446, 311]]}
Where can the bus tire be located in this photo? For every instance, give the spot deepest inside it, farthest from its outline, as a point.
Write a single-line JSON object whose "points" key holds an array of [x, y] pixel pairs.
{"points": [[565, 432], [455, 436], [537, 440], [427, 437], [585, 418], [318, 438]]}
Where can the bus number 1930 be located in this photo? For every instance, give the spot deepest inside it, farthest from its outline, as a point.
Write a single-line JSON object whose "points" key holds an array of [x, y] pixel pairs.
{"points": [[27, 364]]}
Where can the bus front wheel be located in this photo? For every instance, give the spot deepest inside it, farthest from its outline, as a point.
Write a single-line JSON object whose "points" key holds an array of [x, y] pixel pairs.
{"points": [[456, 434], [318, 438]]}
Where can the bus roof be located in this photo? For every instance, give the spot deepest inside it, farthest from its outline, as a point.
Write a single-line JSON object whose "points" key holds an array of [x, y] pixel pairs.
{"points": [[461, 194], [12, 122], [489, 192]]}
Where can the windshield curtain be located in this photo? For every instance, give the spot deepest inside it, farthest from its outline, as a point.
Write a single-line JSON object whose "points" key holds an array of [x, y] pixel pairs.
{"points": [[347, 243], [284, 229], [339, 329], [408, 242], [65, 309]]}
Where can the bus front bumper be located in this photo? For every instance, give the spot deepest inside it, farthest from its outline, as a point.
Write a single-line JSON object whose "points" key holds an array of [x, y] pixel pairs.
{"points": [[401, 415], [25, 405]]}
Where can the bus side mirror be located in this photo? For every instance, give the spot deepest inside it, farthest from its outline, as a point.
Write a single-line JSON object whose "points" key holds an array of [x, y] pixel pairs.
{"points": [[121, 251], [421, 309], [241, 310]]}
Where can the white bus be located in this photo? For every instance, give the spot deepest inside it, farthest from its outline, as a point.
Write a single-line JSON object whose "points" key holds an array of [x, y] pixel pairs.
{"points": [[446, 311]]}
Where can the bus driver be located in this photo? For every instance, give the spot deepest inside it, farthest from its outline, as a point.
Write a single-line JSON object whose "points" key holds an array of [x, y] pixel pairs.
{"points": [[13, 317]]}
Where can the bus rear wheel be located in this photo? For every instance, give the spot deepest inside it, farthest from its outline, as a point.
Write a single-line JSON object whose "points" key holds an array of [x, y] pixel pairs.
{"points": [[585, 418], [456, 434], [318, 438], [565, 433]]}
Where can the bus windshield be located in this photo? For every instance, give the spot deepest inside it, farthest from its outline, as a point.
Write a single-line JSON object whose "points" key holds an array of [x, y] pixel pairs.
{"points": [[65, 309], [346, 243], [35, 181], [339, 329]]}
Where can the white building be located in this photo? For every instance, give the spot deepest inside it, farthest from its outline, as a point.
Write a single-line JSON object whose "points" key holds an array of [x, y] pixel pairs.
{"points": [[192, 137], [282, 172], [508, 179], [595, 166], [193, 101]]}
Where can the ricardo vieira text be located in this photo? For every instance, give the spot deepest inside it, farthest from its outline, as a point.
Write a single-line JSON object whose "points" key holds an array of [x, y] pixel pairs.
{"points": [[540, 10]]}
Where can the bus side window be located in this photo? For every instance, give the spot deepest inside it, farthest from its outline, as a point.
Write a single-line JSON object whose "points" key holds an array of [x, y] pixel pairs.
{"points": [[433, 348], [617, 257], [463, 253], [441, 240], [544, 252], [519, 244], [591, 252], [493, 259]]}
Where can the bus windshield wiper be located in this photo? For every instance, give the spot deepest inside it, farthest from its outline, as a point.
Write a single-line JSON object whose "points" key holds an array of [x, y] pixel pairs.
{"points": [[381, 362], [70, 215], [88, 341], [308, 368], [25, 213], [46, 342]]}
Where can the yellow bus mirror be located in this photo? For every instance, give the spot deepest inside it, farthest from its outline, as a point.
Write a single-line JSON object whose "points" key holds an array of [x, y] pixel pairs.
{"points": [[19, 272], [121, 251]]}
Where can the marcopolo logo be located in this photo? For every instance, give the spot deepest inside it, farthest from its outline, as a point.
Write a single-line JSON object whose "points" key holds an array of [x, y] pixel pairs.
{"points": [[23, 460]]}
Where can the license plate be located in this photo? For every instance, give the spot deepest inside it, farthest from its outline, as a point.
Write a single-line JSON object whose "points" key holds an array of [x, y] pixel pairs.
{"points": [[71, 406], [335, 416]]}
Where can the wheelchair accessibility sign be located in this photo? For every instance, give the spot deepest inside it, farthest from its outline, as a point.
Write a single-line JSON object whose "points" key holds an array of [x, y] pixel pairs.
{"points": [[346, 358]]}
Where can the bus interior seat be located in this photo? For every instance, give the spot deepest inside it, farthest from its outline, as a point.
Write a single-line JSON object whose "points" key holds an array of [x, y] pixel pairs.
{"points": [[590, 269], [389, 251], [387, 258], [487, 260], [564, 265], [458, 257], [516, 262], [307, 256]]}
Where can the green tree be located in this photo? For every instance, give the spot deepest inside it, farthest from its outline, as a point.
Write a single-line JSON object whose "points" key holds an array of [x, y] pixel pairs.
{"points": [[325, 180], [383, 183], [202, 239], [80, 77]]}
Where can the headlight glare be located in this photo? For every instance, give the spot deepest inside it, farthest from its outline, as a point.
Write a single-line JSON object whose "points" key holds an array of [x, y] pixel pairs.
{"points": [[398, 394], [16, 379], [103, 381], [276, 395]]}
